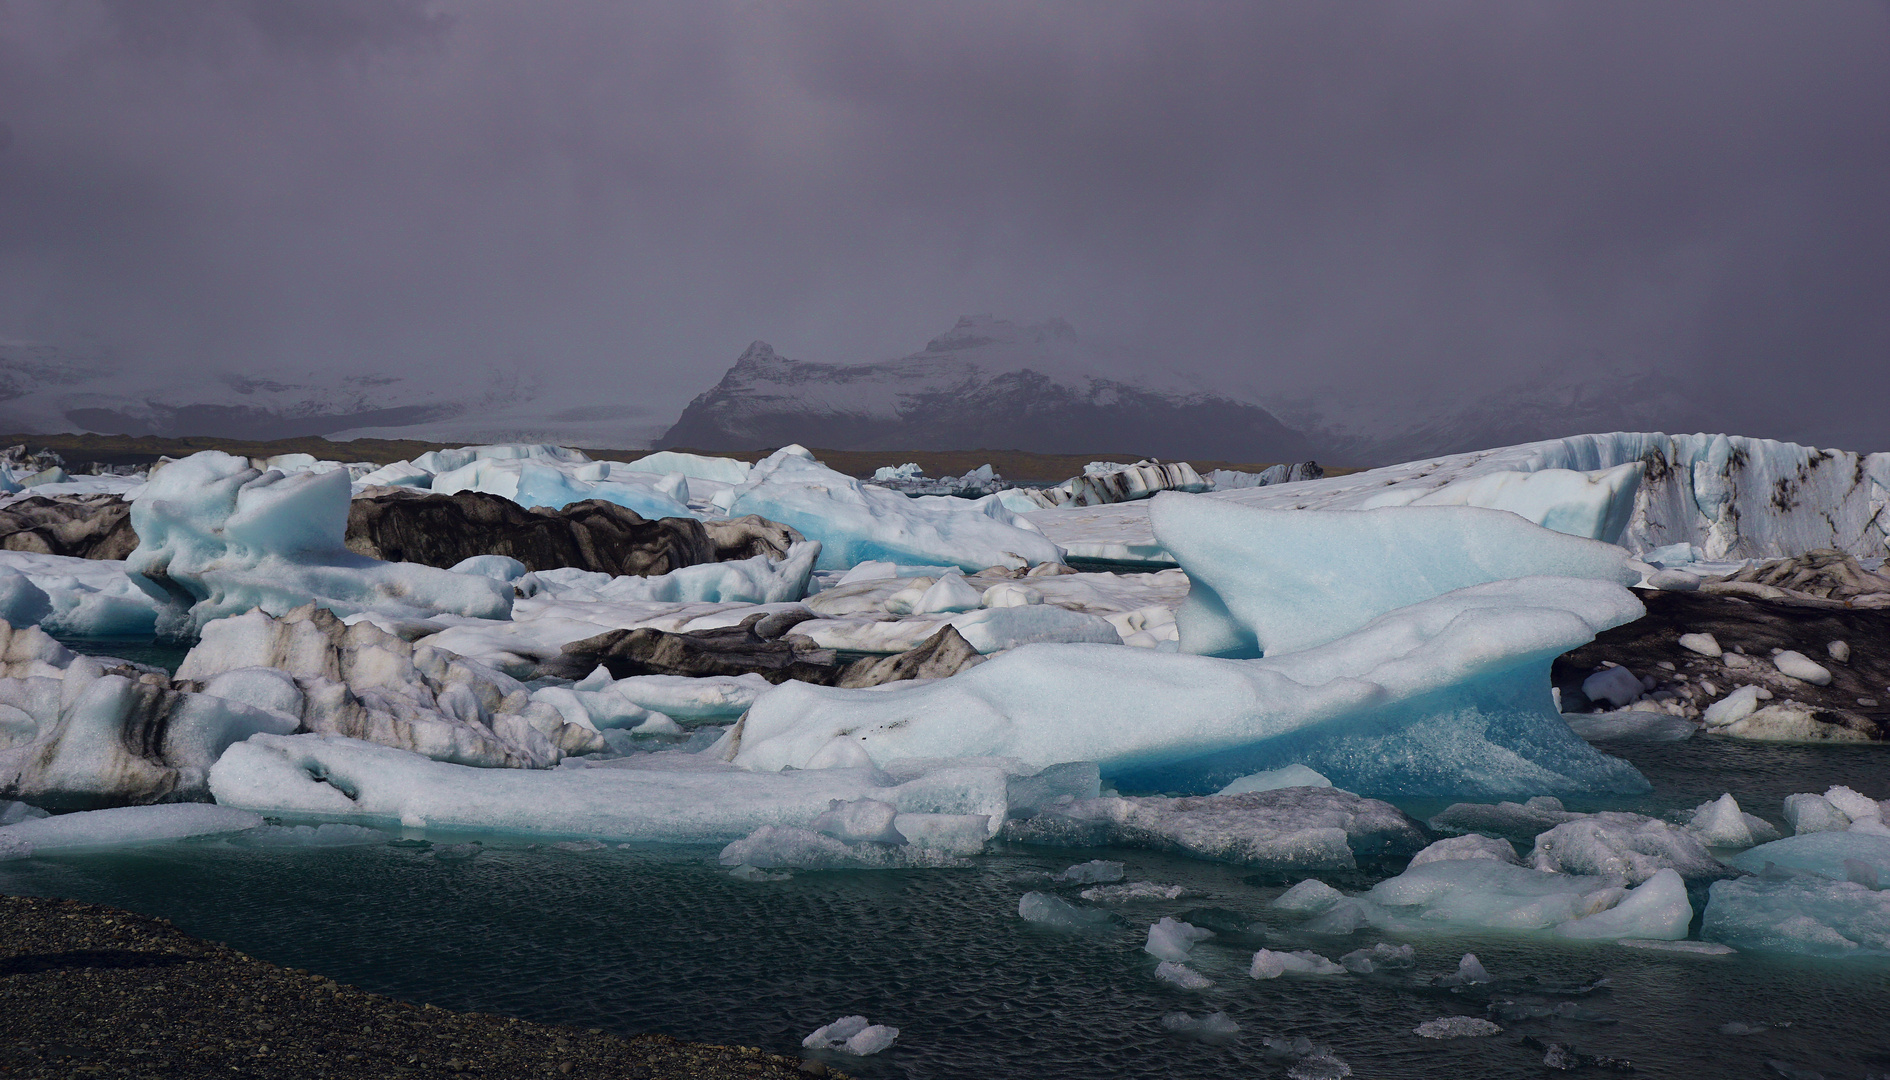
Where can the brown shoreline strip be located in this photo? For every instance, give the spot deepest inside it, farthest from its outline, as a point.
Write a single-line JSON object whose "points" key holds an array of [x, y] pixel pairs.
{"points": [[87, 990]]}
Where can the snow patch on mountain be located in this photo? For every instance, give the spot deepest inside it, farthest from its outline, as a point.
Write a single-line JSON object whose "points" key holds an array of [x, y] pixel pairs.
{"points": [[986, 382]]}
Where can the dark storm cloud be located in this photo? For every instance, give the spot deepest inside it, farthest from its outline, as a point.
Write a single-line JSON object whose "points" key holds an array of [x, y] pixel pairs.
{"points": [[1282, 195]]}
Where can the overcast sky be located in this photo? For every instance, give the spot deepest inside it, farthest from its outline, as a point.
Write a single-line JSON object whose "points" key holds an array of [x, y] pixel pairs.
{"points": [[1293, 195]]}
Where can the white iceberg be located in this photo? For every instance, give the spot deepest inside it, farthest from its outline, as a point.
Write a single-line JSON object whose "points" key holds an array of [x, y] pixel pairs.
{"points": [[1442, 697], [218, 538], [1279, 581], [856, 522]]}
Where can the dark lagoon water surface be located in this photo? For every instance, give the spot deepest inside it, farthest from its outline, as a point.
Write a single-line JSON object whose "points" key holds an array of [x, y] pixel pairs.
{"points": [[661, 939]]}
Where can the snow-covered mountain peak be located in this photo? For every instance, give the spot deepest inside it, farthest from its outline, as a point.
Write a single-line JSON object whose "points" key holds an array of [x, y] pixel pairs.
{"points": [[977, 331]]}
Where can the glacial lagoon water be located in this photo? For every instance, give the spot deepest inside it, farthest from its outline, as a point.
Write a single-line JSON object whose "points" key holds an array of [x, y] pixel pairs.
{"points": [[661, 939]]}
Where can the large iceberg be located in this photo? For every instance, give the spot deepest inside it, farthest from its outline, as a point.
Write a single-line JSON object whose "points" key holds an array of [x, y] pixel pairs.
{"points": [[856, 522], [1727, 496], [1274, 581], [219, 538], [1445, 696]]}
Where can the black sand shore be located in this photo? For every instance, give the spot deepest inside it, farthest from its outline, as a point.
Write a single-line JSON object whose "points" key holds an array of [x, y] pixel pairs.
{"points": [[88, 991]]}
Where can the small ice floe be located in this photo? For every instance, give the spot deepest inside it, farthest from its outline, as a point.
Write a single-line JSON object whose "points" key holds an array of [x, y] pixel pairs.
{"points": [[1455, 1027], [1056, 913], [1380, 957], [852, 1035], [1132, 892], [1469, 971], [1562, 1056], [1172, 939], [1182, 976], [1093, 872], [1311, 895], [1307, 1060], [1215, 1029], [1268, 964]]}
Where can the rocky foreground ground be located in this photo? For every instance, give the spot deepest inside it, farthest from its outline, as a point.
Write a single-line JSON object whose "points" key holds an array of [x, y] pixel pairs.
{"points": [[89, 991]]}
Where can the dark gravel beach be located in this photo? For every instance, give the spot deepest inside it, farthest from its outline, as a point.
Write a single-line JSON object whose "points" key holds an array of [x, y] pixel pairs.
{"points": [[87, 990]]}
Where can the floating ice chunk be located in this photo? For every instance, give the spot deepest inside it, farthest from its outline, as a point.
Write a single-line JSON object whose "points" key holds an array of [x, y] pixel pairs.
{"points": [[1456, 1027], [1629, 848], [1095, 871], [128, 825], [1279, 581], [1380, 957], [218, 538], [1655, 909], [1797, 665], [1471, 846], [1807, 813], [1268, 964], [1839, 651], [1171, 939], [1132, 892], [1057, 913], [1720, 824], [861, 821], [1856, 806], [708, 698], [1480, 893], [1802, 914], [1826, 853], [1290, 776], [852, 1034], [871, 1040], [1616, 685], [1704, 644], [773, 846], [1311, 895], [1215, 1029], [855, 522], [1469, 972], [1181, 975], [1732, 708], [1443, 696]]}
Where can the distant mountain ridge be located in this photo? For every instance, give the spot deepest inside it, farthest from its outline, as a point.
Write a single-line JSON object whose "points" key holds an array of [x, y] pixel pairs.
{"points": [[988, 383]]}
